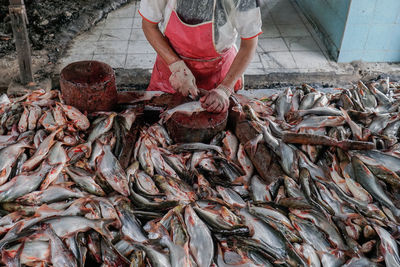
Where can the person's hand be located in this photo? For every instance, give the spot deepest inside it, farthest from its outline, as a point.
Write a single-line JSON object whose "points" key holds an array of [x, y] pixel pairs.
{"points": [[217, 100], [182, 79]]}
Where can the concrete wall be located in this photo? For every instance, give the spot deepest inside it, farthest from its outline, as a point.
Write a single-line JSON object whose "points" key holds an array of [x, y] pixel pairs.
{"points": [[330, 17], [372, 32]]}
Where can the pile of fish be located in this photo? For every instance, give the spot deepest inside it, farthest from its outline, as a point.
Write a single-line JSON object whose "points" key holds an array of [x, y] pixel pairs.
{"points": [[71, 194]]}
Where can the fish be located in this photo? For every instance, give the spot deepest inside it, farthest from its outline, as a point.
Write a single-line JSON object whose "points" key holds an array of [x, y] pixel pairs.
{"points": [[221, 219], [23, 121], [110, 169], [144, 156], [388, 247], [186, 108], [34, 114], [8, 157], [37, 250], [91, 193], [194, 147], [320, 121], [158, 132], [259, 192], [60, 255], [67, 225], [309, 100], [41, 152], [310, 234], [325, 225], [178, 256], [155, 256], [77, 118], [52, 194], [131, 228], [230, 145], [365, 177], [309, 253], [320, 111], [175, 189], [201, 243], [270, 240], [23, 184], [283, 103]]}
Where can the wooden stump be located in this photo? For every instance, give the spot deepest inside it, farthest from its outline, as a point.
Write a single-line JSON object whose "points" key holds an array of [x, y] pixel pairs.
{"points": [[200, 127], [89, 86]]}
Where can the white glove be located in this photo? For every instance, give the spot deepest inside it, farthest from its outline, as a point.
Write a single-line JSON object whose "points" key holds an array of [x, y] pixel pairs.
{"points": [[182, 79], [217, 100]]}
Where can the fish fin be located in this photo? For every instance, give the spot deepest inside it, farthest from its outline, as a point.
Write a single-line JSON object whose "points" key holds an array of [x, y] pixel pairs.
{"points": [[44, 209], [101, 228], [345, 115], [165, 116], [10, 257], [5, 172], [253, 144]]}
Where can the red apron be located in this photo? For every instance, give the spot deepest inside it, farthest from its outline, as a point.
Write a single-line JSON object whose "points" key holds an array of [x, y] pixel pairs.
{"points": [[195, 45]]}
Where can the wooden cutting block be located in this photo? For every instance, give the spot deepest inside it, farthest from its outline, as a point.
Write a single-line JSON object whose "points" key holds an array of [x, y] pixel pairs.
{"points": [[200, 127]]}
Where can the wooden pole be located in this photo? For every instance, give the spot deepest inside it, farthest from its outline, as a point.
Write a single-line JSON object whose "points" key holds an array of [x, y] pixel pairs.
{"points": [[19, 20]]}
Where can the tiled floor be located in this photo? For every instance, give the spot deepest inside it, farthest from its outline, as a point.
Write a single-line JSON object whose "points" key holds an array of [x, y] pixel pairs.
{"points": [[288, 42]]}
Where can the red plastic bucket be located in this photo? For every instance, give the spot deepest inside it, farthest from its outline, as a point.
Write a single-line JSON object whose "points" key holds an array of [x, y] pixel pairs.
{"points": [[89, 86]]}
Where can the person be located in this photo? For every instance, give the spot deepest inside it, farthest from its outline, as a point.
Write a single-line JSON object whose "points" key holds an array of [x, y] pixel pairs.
{"points": [[195, 45]]}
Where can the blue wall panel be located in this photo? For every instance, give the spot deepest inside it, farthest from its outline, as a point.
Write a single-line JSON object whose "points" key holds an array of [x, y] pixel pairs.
{"points": [[366, 30], [380, 19]]}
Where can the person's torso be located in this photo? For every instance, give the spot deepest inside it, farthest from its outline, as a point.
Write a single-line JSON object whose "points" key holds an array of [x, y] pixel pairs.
{"points": [[194, 12]]}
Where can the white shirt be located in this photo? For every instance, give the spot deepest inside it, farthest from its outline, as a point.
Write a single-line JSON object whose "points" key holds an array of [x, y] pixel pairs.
{"points": [[231, 17]]}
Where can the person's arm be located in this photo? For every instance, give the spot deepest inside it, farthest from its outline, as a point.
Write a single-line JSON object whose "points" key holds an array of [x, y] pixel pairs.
{"points": [[217, 100], [181, 79], [159, 42], [241, 62]]}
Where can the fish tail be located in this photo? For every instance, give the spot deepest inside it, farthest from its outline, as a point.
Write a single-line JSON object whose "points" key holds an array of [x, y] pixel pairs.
{"points": [[101, 228], [253, 144], [9, 258], [165, 116], [345, 115], [396, 213]]}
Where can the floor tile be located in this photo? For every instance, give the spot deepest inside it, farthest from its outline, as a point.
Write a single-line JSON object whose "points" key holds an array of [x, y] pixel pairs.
{"points": [[256, 58], [118, 23], [73, 58], [137, 35], [293, 30], [254, 71], [281, 17], [124, 12], [301, 44], [278, 3], [311, 60], [137, 23], [111, 47], [92, 36], [143, 61], [272, 45], [115, 35], [272, 60], [114, 60], [269, 31], [256, 65], [82, 48], [266, 17], [140, 47]]}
